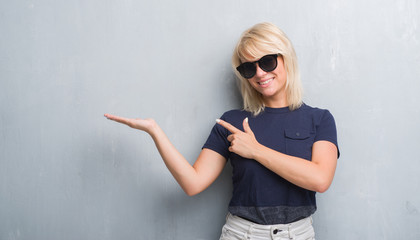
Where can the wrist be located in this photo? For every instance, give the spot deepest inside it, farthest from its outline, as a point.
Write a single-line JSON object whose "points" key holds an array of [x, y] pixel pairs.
{"points": [[152, 128], [258, 152]]}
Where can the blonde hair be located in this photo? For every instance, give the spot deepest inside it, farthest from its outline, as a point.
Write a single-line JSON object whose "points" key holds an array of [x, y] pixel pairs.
{"points": [[256, 42]]}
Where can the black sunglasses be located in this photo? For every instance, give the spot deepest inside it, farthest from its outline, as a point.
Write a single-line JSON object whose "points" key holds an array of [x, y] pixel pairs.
{"points": [[267, 63]]}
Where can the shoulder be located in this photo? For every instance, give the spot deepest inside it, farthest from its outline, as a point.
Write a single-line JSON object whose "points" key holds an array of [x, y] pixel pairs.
{"points": [[324, 124], [315, 112], [234, 114]]}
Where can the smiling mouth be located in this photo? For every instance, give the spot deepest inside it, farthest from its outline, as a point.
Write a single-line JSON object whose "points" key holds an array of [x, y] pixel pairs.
{"points": [[265, 82]]}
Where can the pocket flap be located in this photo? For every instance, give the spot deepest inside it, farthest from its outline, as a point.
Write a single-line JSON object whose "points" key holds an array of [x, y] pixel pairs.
{"points": [[296, 133]]}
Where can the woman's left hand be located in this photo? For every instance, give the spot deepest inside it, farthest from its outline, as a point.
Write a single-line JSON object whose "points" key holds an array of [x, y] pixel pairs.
{"points": [[242, 143]]}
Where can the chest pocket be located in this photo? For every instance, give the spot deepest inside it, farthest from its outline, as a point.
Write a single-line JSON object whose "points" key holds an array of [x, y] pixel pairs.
{"points": [[299, 143]]}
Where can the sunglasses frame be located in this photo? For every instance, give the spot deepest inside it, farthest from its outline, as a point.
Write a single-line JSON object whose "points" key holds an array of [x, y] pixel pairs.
{"points": [[241, 67]]}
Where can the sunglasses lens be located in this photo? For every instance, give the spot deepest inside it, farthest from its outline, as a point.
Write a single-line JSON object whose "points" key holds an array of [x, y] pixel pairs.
{"points": [[247, 70], [268, 63]]}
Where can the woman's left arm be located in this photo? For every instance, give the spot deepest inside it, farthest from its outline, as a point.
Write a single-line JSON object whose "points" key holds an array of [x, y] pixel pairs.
{"points": [[315, 175]]}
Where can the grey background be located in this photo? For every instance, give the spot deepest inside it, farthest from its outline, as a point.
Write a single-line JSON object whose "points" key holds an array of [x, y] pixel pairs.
{"points": [[68, 173]]}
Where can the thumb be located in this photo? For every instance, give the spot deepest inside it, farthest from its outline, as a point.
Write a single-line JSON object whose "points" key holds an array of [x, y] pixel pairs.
{"points": [[246, 126]]}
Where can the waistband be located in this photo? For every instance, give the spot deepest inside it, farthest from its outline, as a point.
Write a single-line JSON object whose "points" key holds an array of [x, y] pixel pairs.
{"points": [[250, 228]]}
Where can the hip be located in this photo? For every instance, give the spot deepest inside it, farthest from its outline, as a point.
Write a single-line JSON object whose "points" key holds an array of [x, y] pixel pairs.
{"points": [[237, 228]]}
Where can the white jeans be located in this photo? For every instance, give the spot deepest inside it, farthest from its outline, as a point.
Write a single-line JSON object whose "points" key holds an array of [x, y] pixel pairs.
{"points": [[237, 228]]}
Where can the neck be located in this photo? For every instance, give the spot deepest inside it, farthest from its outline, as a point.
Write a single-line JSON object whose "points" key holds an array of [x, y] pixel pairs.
{"points": [[276, 103]]}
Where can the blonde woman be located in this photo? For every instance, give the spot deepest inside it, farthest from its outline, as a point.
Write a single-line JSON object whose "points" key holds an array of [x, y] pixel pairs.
{"points": [[282, 151]]}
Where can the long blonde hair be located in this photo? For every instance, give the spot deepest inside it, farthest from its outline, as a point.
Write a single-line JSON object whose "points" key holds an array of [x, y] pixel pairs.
{"points": [[260, 40]]}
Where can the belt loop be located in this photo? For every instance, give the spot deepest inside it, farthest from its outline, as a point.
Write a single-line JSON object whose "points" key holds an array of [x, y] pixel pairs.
{"points": [[248, 233], [291, 233], [247, 236]]}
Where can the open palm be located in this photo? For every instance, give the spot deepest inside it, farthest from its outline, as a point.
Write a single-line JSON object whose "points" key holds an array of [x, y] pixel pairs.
{"points": [[137, 123]]}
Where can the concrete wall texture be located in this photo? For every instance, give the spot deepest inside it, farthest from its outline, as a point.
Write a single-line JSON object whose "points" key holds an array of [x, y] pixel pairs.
{"points": [[68, 173]]}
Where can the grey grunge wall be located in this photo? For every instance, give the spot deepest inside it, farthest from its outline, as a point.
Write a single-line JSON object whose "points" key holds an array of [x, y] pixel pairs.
{"points": [[68, 173]]}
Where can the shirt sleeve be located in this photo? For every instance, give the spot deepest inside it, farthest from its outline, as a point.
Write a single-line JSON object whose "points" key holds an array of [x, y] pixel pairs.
{"points": [[326, 130], [217, 140]]}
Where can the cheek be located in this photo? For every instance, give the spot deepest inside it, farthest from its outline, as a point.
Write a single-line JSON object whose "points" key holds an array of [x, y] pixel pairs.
{"points": [[251, 82]]}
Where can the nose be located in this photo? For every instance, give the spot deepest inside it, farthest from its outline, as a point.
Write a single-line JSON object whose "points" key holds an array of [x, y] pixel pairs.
{"points": [[259, 72]]}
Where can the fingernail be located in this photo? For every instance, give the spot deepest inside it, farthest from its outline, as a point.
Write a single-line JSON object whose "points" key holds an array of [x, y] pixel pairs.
{"points": [[246, 119], [217, 120]]}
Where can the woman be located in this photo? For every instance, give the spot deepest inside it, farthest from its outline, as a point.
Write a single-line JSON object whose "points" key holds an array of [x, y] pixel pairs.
{"points": [[282, 151]]}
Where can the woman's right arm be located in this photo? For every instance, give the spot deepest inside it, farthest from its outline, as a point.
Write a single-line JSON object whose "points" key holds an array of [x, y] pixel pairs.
{"points": [[192, 179]]}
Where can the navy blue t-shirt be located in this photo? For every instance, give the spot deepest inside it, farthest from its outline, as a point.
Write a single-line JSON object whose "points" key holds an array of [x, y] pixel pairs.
{"points": [[259, 194]]}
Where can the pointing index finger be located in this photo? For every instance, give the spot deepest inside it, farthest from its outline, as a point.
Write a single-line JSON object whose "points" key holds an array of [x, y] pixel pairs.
{"points": [[228, 126]]}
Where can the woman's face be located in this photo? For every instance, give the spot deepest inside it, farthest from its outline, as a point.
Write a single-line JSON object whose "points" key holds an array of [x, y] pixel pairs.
{"points": [[271, 85]]}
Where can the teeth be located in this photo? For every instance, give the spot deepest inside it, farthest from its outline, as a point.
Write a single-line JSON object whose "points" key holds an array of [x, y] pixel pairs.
{"points": [[265, 82]]}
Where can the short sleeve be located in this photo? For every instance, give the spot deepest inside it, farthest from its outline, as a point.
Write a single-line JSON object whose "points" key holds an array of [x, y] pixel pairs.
{"points": [[326, 130], [217, 140]]}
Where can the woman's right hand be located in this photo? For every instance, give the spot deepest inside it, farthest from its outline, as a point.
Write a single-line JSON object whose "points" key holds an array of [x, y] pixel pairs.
{"points": [[146, 125]]}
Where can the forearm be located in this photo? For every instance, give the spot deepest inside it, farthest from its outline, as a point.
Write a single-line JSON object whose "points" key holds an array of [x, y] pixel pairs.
{"points": [[180, 168], [301, 172]]}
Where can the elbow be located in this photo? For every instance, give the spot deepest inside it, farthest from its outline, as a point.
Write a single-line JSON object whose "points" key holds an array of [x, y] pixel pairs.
{"points": [[192, 187], [192, 191], [322, 186]]}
